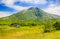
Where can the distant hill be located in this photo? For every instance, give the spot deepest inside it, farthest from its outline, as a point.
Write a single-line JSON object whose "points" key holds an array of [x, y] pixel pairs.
{"points": [[31, 14]]}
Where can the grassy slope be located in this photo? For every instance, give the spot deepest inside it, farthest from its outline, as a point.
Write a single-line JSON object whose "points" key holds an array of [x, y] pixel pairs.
{"points": [[35, 32]]}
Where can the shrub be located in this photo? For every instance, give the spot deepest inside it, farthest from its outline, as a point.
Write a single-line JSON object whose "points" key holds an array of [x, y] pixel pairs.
{"points": [[49, 26], [57, 25]]}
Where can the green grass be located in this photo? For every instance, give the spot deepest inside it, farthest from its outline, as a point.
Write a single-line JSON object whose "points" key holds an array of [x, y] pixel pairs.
{"points": [[35, 32]]}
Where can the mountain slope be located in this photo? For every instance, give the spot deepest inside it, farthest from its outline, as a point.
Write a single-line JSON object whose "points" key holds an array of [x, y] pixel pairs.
{"points": [[31, 14]]}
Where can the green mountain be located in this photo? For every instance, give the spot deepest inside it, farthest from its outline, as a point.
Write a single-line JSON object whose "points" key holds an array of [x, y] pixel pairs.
{"points": [[32, 14]]}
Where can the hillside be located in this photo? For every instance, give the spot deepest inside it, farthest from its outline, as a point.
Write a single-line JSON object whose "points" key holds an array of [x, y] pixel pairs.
{"points": [[31, 14]]}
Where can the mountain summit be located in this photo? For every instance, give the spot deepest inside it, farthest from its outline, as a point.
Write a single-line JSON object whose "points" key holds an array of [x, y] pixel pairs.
{"points": [[33, 8]]}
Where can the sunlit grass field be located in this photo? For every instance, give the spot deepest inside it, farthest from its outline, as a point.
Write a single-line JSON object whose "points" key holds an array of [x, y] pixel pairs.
{"points": [[26, 32]]}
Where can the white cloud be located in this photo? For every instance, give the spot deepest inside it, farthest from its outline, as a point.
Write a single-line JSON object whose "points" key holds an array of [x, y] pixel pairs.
{"points": [[10, 3], [4, 14], [19, 8], [35, 1], [53, 9]]}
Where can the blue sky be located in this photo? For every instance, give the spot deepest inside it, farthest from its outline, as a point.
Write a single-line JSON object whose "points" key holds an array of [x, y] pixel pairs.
{"points": [[8, 7]]}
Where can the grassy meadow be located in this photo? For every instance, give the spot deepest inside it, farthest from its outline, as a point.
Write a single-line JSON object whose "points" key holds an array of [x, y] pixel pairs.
{"points": [[27, 32]]}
